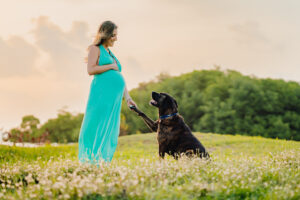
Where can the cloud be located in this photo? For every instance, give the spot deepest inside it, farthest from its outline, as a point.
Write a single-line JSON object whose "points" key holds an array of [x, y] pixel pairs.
{"points": [[65, 49], [18, 57], [64, 52]]}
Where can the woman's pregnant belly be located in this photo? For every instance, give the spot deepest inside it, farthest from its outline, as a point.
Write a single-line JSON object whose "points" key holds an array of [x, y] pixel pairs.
{"points": [[111, 79]]}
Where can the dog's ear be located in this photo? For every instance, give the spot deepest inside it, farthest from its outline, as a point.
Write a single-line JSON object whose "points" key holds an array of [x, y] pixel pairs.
{"points": [[176, 103]]}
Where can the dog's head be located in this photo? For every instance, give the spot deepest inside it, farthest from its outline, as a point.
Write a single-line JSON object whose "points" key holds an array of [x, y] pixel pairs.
{"points": [[164, 102]]}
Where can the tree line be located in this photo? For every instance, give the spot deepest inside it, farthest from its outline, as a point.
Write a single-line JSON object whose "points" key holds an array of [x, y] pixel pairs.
{"points": [[216, 101]]}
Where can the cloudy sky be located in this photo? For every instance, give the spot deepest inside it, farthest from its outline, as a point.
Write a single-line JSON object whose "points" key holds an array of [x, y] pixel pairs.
{"points": [[43, 44]]}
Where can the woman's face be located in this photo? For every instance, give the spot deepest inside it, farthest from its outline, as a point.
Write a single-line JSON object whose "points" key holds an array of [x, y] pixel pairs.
{"points": [[114, 38]]}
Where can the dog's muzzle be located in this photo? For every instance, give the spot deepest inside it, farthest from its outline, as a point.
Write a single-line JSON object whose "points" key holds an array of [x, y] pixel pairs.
{"points": [[153, 102]]}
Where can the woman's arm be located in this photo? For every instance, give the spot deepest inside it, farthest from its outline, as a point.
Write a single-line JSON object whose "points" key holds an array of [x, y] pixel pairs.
{"points": [[128, 99], [92, 66], [126, 94]]}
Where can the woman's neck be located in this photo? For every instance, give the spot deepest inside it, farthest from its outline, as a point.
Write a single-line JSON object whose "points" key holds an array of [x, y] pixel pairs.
{"points": [[105, 46]]}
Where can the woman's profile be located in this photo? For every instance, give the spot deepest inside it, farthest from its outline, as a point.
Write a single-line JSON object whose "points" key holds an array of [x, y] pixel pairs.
{"points": [[100, 127]]}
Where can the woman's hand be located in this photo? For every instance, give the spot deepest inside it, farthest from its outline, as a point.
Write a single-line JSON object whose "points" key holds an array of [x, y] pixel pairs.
{"points": [[131, 102], [114, 66]]}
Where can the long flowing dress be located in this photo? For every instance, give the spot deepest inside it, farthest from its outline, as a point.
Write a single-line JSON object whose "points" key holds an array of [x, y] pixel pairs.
{"points": [[100, 127]]}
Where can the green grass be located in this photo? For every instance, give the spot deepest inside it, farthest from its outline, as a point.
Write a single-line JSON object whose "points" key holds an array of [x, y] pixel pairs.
{"points": [[241, 167]]}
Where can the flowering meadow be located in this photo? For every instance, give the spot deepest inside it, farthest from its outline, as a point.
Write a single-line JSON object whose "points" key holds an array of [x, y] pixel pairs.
{"points": [[241, 167]]}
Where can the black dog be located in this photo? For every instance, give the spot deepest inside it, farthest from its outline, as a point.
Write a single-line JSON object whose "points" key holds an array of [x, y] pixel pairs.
{"points": [[174, 136]]}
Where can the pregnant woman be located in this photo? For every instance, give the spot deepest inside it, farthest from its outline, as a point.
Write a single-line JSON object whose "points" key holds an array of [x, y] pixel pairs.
{"points": [[100, 127]]}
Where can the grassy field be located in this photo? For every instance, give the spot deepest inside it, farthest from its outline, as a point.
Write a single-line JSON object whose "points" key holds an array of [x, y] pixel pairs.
{"points": [[241, 167]]}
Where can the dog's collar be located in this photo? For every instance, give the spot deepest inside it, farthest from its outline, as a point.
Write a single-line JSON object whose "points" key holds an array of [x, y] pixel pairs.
{"points": [[166, 116]]}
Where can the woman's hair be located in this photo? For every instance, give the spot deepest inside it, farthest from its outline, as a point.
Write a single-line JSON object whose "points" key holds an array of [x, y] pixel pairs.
{"points": [[104, 33]]}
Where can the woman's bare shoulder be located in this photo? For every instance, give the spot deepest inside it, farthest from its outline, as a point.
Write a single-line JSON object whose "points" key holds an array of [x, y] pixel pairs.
{"points": [[93, 47]]}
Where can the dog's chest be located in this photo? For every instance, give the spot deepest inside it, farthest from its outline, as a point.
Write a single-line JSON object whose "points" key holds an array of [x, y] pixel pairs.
{"points": [[164, 133]]}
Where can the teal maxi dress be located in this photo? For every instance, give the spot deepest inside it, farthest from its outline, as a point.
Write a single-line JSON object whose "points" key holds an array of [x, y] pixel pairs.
{"points": [[100, 127]]}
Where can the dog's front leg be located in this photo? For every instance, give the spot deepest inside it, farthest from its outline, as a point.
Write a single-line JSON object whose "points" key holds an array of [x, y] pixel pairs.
{"points": [[150, 123]]}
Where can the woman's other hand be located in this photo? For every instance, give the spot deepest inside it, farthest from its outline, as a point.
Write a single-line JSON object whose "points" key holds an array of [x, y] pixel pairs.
{"points": [[131, 102]]}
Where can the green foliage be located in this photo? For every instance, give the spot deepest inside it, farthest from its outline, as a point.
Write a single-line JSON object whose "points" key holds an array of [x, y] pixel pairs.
{"points": [[63, 129], [28, 130], [225, 102]]}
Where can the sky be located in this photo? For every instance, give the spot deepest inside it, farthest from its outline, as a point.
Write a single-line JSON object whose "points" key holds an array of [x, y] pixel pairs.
{"points": [[43, 45]]}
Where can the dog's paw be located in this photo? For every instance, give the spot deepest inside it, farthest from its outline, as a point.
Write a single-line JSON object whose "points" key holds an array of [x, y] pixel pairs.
{"points": [[132, 107]]}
